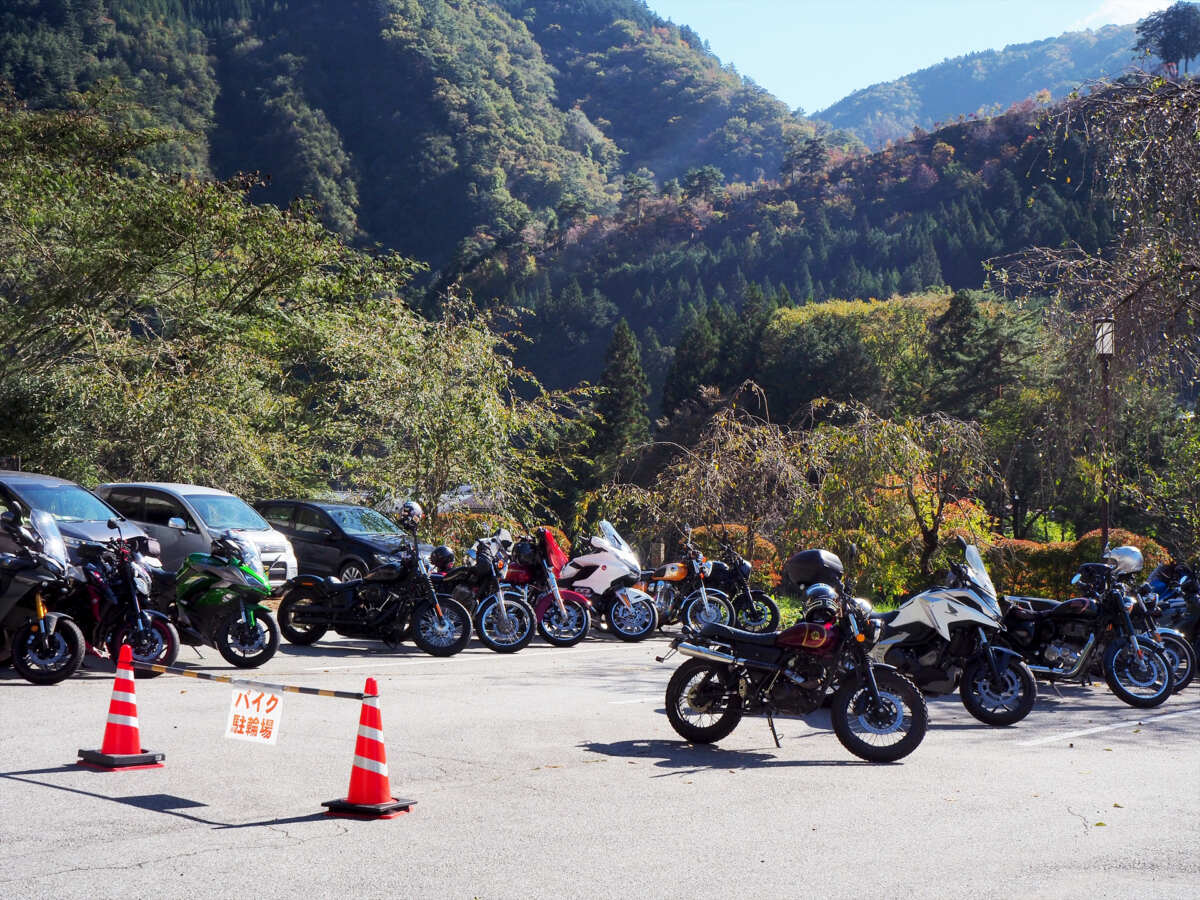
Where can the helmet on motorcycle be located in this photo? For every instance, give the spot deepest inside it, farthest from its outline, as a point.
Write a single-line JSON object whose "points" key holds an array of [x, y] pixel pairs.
{"points": [[1125, 560], [525, 553], [410, 515], [442, 557], [820, 604]]}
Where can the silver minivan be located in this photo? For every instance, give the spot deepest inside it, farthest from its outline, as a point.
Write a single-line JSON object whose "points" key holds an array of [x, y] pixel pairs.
{"points": [[186, 518]]}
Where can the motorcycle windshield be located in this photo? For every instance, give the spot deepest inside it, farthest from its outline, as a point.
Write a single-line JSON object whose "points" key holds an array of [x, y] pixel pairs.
{"points": [[52, 540], [615, 544], [249, 553], [981, 578]]}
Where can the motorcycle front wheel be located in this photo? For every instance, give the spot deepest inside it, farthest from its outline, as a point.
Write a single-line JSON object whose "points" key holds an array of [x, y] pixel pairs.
{"points": [[758, 613], [880, 732], [635, 622], [565, 630], [1139, 679], [698, 612], [156, 644], [302, 634], [48, 659], [1003, 702], [244, 645], [700, 707], [504, 629], [442, 635]]}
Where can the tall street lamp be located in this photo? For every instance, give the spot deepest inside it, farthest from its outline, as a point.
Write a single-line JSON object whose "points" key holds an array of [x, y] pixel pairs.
{"points": [[1105, 337]]}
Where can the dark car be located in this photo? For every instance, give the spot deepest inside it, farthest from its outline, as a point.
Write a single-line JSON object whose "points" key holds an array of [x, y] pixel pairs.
{"points": [[80, 514], [335, 538]]}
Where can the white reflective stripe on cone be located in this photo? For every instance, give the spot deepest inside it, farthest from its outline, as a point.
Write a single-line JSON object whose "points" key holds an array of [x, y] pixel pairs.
{"points": [[123, 697], [371, 765], [371, 734], [114, 719]]}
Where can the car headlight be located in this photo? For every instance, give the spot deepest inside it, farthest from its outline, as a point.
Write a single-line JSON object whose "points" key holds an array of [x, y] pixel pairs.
{"points": [[384, 560]]}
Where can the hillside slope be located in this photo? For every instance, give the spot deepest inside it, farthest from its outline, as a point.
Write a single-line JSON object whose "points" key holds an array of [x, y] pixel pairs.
{"points": [[985, 83]]}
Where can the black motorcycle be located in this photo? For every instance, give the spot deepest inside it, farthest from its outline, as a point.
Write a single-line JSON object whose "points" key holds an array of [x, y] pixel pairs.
{"points": [[390, 603], [1060, 641], [755, 609], [44, 647], [504, 621], [877, 713], [1172, 594]]}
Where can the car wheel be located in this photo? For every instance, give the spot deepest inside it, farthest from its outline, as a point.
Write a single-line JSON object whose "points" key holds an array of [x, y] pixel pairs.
{"points": [[352, 570]]}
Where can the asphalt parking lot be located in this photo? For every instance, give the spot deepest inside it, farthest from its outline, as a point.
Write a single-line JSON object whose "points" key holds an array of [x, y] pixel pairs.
{"points": [[554, 772]]}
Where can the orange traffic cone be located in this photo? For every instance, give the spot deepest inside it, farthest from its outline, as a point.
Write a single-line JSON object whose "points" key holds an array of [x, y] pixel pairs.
{"points": [[370, 795], [122, 744]]}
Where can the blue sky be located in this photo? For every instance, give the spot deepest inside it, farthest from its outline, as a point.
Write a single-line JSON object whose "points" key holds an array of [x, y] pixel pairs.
{"points": [[811, 53]]}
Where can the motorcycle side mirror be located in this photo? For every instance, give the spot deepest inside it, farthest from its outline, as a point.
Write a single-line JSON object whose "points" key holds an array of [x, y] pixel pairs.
{"points": [[112, 523], [1078, 578], [9, 520]]}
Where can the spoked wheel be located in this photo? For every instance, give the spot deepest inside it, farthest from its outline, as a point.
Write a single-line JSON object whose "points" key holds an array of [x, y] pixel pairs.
{"points": [[998, 702], [880, 732], [1142, 679], [294, 607], [700, 707], [507, 628], [156, 644], [441, 635], [758, 613], [699, 611], [48, 659], [244, 644], [634, 622], [1182, 657], [565, 629]]}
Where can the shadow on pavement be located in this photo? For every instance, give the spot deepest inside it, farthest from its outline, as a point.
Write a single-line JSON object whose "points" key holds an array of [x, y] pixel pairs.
{"points": [[684, 758]]}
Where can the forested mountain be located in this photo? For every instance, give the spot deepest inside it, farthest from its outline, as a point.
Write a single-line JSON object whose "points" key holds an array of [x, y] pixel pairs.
{"points": [[983, 83], [429, 126]]}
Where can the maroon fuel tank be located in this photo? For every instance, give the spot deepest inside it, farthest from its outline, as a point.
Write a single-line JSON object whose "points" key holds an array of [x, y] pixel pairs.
{"points": [[815, 638]]}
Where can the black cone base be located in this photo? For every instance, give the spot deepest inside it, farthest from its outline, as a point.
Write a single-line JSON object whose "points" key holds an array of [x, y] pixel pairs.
{"points": [[344, 809], [147, 759]]}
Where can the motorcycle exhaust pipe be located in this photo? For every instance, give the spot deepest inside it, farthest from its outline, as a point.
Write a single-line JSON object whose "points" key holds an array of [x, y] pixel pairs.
{"points": [[1085, 656], [707, 653]]}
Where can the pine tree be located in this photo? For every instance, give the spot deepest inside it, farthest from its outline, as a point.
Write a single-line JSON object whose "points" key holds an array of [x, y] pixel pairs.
{"points": [[624, 420]]}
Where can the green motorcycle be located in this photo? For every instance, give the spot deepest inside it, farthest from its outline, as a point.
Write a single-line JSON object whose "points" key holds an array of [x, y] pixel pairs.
{"points": [[214, 600]]}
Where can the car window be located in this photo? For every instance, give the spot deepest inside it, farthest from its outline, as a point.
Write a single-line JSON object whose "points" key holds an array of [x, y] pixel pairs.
{"points": [[66, 502], [362, 520], [278, 514], [221, 511], [161, 508], [311, 521], [128, 502]]}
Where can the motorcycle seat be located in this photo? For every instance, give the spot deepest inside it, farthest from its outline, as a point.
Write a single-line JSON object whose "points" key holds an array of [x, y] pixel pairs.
{"points": [[884, 618], [737, 636], [161, 577]]}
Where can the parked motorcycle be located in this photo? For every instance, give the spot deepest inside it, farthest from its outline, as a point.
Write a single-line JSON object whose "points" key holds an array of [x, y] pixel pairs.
{"points": [[606, 576], [44, 647], [213, 600], [756, 610], [1173, 598], [563, 616], [683, 592], [1060, 641], [944, 639], [504, 621], [113, 604], [878, 714], [390, 602]]}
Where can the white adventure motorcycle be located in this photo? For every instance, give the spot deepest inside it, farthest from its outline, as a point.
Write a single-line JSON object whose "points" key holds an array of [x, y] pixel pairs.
{"points": [[942, 638], [607, 576]]}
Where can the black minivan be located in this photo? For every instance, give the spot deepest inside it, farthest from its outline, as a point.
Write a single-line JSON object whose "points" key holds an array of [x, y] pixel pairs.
{"points": [[335, 538]]}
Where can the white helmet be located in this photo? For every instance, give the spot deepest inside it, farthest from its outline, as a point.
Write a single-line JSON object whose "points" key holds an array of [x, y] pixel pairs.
{"points": [[1125, 560]]}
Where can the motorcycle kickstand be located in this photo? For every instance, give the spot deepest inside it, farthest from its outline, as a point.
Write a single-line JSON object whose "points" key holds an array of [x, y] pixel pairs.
{"points": [[774, 733]]}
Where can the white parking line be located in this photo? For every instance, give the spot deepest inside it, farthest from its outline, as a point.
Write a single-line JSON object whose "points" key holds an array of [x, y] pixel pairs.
{"points": [[1144, 720], [638, 700], [548, 653]]}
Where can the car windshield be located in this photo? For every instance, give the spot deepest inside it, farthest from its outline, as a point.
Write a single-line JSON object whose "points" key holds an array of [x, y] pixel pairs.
{"points": [[66, 502], [222, 511], [362, 520]]}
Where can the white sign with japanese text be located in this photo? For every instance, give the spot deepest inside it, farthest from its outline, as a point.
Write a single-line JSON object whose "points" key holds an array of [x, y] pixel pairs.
{"points": [[254, 716]]}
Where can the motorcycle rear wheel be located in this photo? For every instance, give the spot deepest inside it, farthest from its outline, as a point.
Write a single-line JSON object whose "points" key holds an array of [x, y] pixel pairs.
{"points": [[296, 633], [57, 661], [699, 706], [244, 646], [885, 733], [1005, 703], [568, 630], [443, 635], [1143, 681], [489, 622]]}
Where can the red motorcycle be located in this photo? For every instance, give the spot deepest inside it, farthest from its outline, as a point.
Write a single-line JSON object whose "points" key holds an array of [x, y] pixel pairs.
{"points": [[563, 617]]}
